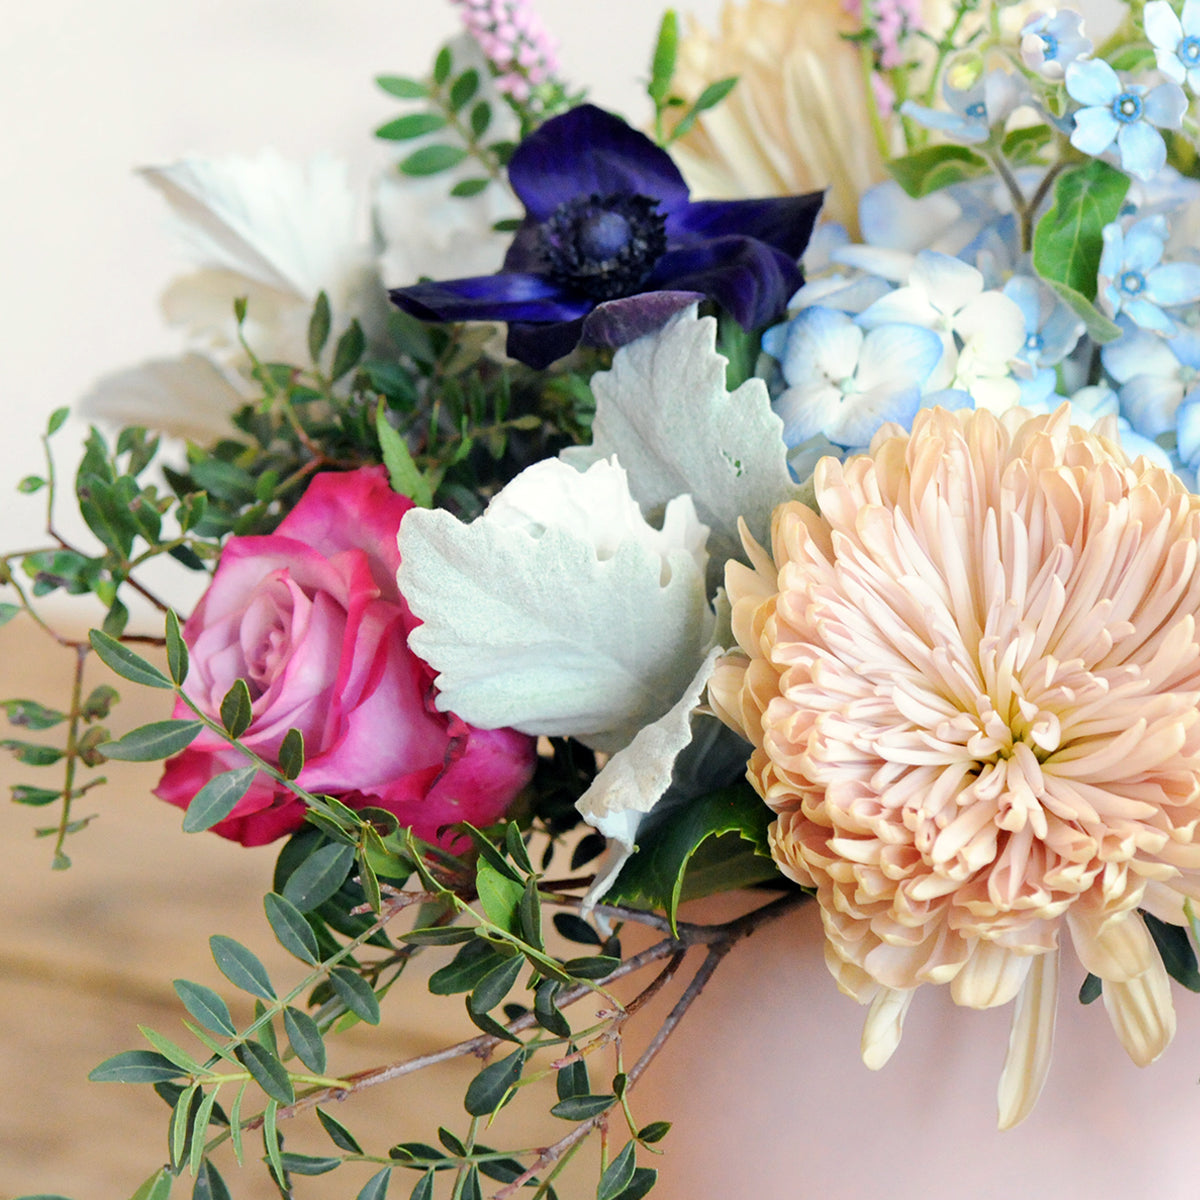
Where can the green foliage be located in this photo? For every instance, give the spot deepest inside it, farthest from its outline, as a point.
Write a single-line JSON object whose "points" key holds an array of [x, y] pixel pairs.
{"points": [[936, 167]]}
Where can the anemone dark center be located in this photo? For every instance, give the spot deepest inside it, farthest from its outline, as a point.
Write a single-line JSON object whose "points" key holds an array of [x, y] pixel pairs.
{"points": [[604, 246]]}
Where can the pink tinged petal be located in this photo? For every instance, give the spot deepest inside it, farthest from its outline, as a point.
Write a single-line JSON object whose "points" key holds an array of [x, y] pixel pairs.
{"points": [[1095, 130], [1030, 1042], [884, 1026], [992, 976], [1114, 946], [1142, 1013]]}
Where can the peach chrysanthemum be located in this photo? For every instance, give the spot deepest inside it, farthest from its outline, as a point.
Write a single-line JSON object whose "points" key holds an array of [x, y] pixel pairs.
{"points": [[972, 683]]}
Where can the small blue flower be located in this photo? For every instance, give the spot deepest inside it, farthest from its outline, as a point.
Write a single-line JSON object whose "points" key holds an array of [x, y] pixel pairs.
{"points": [[1051, 328], [1125, 113], [1135, 281], [974, 110], [612, 246], [1051, 41], [844, 382], [1176, 40]]}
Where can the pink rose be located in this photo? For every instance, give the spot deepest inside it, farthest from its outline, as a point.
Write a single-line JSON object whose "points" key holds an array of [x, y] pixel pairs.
{"points": [[311, 617]]}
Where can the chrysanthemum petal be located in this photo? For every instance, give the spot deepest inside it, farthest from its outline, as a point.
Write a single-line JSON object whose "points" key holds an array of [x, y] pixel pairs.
{"points": [[1142, 1013], [883, 1027], [1030, 1042]]}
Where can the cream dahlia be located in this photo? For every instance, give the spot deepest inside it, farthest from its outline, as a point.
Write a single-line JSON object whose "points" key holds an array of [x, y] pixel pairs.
{"points": [[972, 682]]}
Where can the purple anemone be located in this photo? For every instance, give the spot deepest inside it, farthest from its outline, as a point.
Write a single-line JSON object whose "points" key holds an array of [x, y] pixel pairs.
{"points": [[611, 246]]}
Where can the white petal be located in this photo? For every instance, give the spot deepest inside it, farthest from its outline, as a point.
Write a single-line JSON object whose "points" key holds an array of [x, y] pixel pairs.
{"points": [[1030, 1042], [949, 282], [884, 1025], [1142, 1013], [990, 977]]}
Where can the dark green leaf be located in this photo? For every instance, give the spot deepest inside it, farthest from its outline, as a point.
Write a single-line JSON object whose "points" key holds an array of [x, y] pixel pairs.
{"points": [[271, 1143], [1176, 951], [572, 1079], [619, 1174], [318, 326], [587, 848], [495, 985], [424, 1188], [644, 1178], [206, 1006], [35, 797], [575, 929], [31, 753], [159, 739], [348, 351], [135, 1066], [157, 1187], [177, 651], [466, 188], [293, 932], [654, 1132], [597, 966], [408, 1152], [654, 876], [29, 714], [451, 1142], [489, 1025], [515, 846], [1090, 989], [125, 663], [115, 619], [471, 1189], [412, 126], [463, 89], [480, 119], [240, 966], [305, 1036], [268, 1072], [236, 712], [99, 703], [320, 876], [1023, 147], [341, 1137], [489, 1088], [31, 484], [442, 935], [429, 160], [936, 167], [465, 969], [529, 914], [356, 994], [308, 1164], [376, 1188], [291, 754], [581, 1108], [403, 87], [209, 1185], [217, 799], [443, 64], [1068, 240], [546, 1010]]}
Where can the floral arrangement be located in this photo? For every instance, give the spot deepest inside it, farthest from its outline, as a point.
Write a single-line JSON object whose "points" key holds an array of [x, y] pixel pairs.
{"points": [[791, 489]]}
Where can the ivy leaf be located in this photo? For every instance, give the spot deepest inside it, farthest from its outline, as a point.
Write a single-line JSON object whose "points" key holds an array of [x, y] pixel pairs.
{"points": [[936, 167], [654, 876]]}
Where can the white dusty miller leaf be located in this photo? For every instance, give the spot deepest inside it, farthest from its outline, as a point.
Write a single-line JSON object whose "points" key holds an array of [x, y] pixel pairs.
{"points": [[664, 411], [536, 623]]}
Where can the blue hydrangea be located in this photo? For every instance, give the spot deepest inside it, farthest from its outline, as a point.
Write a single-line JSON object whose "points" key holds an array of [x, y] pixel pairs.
{"points": [[1129, 114], [1153, 375]]}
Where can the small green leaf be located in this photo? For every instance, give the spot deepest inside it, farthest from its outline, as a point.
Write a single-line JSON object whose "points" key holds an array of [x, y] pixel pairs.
{"points": [[99, 703], [463, 89], [291, 754], [217, 799], [936, 167], [495, 985], [466, 188], [515, 846], [596, 966], [424, 1188], [465, 969], [159, 739], [572, 1079], [1091, 989], [209, 1185], [430, 160], [268, 1072], [481, 118], [500, 896], [136, 1066], [35, 797], [341, 1137], [356, 994], [1068, 240], [348, 351], [575, 929], [236, 710], [293, 932], [319, 876], [206, 1006], [177, 651], [125, 663], [157, 1187], [240, 966], [443, 64], [1175, 950], [376, 1188], [319, 326], [404, 475], [169, 1050], [271, 1144], [402, 87], [662, 67], [619, 1174], [488, 1090], [31, 484], [412, 126], [644, 1178], [438, 935], [654, 1132], [57, 419], [581, 1108], [31, 753], [546, 1010], [305, 1036], [310, 1164], [8, 611], [29, 714]]}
